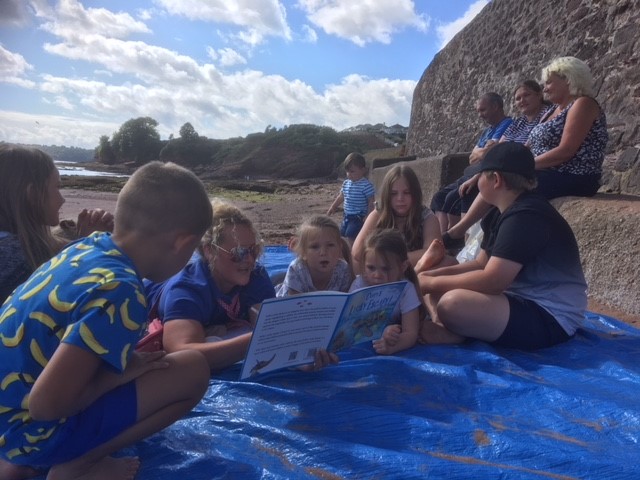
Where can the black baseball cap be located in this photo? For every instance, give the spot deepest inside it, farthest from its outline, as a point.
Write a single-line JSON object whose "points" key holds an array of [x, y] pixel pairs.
{"points": [[511, 157]]}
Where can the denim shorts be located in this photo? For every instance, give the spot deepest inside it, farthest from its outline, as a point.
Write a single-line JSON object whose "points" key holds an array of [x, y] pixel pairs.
{"points": [[351, 225]]}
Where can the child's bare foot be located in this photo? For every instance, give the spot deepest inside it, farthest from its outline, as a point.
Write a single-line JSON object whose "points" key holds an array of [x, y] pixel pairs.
{"points": [[9, 471], [107, 468], [432, 257], [436, 334]]}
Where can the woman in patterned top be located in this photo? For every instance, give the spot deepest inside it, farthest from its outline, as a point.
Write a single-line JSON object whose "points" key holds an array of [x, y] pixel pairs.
{"points": [[570, 141], [528, 97]]}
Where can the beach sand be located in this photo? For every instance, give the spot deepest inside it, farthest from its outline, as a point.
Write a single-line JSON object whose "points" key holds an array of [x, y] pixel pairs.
{"points": [[276, 218]]}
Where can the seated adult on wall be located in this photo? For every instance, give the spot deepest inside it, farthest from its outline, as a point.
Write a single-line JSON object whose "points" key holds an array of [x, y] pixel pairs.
{"points": [[569, 143], [211, 305], [447, 203], [528, 98], [30, 201]]}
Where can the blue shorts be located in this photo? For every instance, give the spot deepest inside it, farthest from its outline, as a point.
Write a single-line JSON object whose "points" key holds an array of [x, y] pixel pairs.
{"points": [[448, 200], [351, 225], [103, 420], [530, 326]]}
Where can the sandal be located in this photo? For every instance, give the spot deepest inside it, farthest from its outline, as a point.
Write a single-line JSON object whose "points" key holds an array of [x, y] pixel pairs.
{"points": [[451, 243]]}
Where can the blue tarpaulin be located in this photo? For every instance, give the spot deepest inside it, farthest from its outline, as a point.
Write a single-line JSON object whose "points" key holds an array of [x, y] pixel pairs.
{"points": [[465, 411]]}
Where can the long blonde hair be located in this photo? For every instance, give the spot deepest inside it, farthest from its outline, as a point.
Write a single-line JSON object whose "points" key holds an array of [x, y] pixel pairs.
{"points": [[412, 230], [24, 177]]}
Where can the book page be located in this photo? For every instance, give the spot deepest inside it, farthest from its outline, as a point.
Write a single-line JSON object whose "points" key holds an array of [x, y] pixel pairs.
{"points": [[366, 315], [290, 330]]}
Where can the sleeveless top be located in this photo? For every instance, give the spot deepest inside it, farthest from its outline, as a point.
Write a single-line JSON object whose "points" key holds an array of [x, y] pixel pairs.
{"points": [[589, 157]]}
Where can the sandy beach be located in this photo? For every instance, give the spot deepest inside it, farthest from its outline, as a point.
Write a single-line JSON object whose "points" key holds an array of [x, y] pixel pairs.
{"points": [[276, 217]]}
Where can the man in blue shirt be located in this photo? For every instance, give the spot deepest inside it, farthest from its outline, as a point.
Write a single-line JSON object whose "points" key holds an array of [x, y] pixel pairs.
{"points": [[447, 203]]}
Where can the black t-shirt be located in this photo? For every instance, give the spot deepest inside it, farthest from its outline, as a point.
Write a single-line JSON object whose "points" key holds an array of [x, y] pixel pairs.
{"points": [[532, 233]]}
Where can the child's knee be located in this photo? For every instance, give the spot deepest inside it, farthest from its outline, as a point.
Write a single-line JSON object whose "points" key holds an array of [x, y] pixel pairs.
{"points": [[191, 368]]}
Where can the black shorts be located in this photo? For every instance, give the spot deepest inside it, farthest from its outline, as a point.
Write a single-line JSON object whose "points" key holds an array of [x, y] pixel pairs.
{"points": [[530, 326]]}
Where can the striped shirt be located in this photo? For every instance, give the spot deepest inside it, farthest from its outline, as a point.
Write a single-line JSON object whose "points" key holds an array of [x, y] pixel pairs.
{"points": [[356, 196], [519, 130]]}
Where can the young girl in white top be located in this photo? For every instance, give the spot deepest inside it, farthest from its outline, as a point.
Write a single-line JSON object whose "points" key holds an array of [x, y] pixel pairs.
{"points": [[385, 260], [320, 264]]}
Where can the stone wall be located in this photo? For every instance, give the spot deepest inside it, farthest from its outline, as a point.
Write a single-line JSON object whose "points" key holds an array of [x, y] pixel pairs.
{"points": [[511, 40]]}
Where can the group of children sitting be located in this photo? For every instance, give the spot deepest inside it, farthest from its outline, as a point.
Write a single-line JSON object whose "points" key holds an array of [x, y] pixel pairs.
{"points": [[74, 391]]}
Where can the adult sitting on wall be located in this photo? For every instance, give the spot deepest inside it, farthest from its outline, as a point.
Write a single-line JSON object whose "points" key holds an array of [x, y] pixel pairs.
{"points": [[30, 201], [569, 142], [211, 304], [447, 203], [528, 98]]}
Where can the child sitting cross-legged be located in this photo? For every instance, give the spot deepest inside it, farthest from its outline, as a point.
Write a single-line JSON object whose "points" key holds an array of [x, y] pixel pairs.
{"points": [[385, 260], [526, 288], [74, 391]]}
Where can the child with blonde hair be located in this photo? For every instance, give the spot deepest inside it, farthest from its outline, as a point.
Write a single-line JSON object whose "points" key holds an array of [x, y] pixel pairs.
{"points": [[320, 262], [385, 260]]}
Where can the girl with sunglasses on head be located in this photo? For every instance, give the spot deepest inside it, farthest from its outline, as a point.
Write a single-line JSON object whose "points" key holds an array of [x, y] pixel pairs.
{"points": [[212, 303]]}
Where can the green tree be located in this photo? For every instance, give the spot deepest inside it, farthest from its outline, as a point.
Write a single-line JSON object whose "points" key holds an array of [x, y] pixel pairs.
{"points": [[137, 141], [188, 133], [104, 151]]}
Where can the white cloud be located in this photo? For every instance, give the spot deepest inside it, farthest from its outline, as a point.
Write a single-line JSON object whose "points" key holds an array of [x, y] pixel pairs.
{"points": [[71, 20], [365, 21], [309, 34], [13, 12], [447, 31], [257, 18], [13, 67], [174, 88], [21, 127]]}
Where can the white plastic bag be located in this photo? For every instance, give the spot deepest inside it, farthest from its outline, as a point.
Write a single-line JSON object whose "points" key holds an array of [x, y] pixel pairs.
{"points": [[472, 245]]}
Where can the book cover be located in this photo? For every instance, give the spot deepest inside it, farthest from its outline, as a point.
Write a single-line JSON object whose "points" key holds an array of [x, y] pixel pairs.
{"points": [[289, 330]]}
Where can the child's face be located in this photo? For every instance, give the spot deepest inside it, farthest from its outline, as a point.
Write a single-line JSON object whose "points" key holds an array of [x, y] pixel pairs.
{"points": [[54, 199], [378, 271], [323, 250], [231, 270], [401, 198], [355, 173]]}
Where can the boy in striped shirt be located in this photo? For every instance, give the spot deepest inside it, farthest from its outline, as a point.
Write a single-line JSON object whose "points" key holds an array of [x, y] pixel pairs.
{"points": [[357, 194]]}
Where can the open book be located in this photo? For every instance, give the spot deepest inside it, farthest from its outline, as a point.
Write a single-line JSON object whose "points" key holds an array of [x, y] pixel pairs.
{"points": [[289, 330]]}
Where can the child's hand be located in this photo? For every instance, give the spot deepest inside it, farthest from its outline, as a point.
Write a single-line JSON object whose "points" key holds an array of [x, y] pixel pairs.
{"points": [[322, 359], [143, 362], [90, 221], [391, 334], [382, 347]]}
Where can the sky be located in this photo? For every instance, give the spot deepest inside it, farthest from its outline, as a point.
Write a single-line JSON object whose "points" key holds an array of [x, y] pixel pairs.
{"points": [[74, 70]]}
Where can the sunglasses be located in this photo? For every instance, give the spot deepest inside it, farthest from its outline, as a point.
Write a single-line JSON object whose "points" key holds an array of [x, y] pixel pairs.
{"points": [[238, 254]]}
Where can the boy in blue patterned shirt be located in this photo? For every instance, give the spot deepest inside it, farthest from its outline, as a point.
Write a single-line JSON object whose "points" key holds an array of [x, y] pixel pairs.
{"points": [[72, 388], [357, 194]]}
